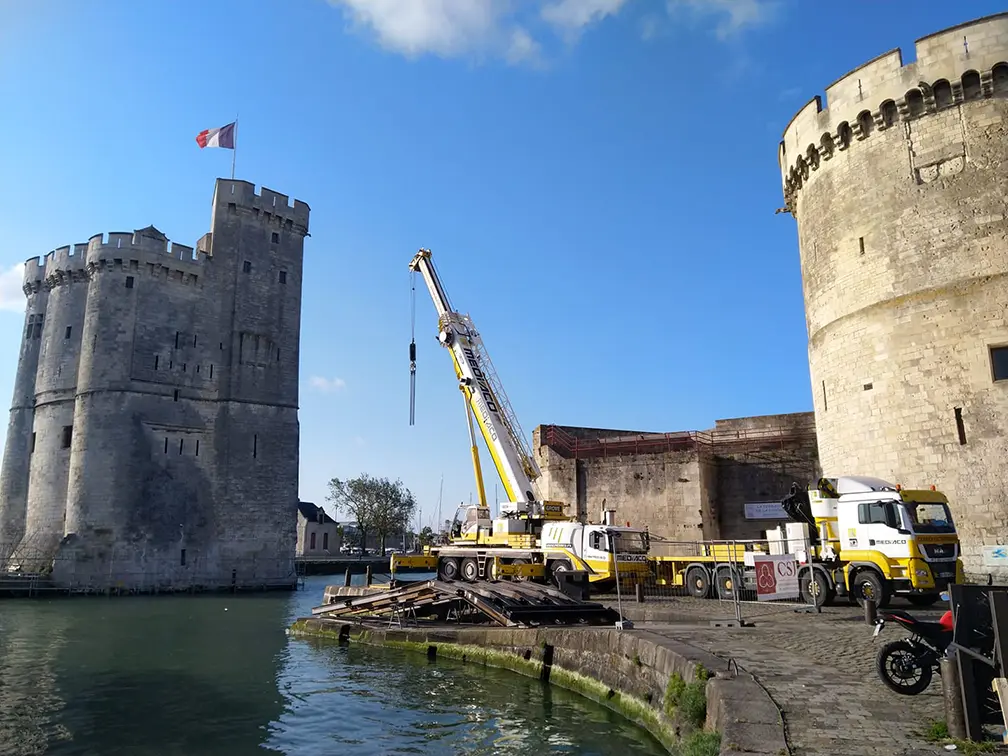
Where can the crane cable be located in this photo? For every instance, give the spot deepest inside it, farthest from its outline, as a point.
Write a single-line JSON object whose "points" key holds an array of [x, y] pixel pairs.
{"points": [[412, 349]]}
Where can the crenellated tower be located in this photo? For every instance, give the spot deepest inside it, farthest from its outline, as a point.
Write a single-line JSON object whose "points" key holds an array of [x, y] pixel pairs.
{"points": [[158, 412], [898, 187]]}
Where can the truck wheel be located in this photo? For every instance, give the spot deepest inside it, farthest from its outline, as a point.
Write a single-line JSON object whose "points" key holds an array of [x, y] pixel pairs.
{"points": [[698, 582], [727, 581], [868, 584], [559, 566], [448, 569], [815, 589], [520, 561], [470, 570]]}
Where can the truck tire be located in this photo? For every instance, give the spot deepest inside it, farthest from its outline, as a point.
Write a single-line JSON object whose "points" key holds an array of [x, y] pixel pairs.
{"points": [[698, 581], [448, 569], [868, 584], [815, 588], [727, 581], [559, 566], [470, 570], [520, 561]]}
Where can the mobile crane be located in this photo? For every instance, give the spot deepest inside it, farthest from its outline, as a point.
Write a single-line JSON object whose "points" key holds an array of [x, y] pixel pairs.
{"points": [[531, 538]]}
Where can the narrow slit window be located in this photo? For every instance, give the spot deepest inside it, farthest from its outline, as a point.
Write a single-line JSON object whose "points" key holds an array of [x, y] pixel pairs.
{"points": [[32, 450], [181, 445], [860, 243], [197, 370], [246, 267], [156, 360], [182, 558], [176, 339], [283, 276], [176, 395], [999, 363], [166, 445], [183, 367], [255, 446], [194, 340], [197, 447], [211, 370], [960, 426], [825, 404], [129, 282], [67, 436], [69, 330]]}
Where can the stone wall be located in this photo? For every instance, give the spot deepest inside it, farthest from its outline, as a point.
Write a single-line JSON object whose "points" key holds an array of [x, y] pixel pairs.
{"points": [[898, 189], [684, 486], [163, 407]]}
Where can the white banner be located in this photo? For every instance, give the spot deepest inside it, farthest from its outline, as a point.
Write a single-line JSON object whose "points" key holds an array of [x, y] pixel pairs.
{"points": [[776, 577], [995, 556]]}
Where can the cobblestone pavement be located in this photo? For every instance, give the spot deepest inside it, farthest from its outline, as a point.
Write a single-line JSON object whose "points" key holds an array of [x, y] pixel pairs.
{"points": [[819, 669]]}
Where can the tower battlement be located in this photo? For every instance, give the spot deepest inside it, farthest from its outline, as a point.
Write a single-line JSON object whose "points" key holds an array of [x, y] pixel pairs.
{"points": [[65, 264], [148, 243], [964, 62], [33, 275], [266, 203]]}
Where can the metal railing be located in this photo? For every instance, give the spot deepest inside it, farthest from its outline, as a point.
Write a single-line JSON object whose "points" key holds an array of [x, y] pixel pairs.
{"points": [[700, 581], [571, 446]]}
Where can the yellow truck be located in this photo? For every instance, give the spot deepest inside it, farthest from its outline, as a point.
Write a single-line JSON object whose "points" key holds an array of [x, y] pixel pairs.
{"points": [[854, 536]]}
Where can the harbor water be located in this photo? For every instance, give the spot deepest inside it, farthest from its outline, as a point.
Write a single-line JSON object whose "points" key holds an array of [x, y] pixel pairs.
{"points": [[217, 674]]}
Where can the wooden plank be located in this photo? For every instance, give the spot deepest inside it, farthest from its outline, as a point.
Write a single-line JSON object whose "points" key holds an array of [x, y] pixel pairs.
{"points": [[1001, 686]]}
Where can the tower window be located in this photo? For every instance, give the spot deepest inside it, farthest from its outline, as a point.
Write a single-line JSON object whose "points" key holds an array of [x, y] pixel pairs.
{"points": [[176, 339], [194, 339], [197, 447], [69, 330], [166, 445], [275, 237], [32, 450], [176, 395], [67, 436], [283, 276], [255, 446], [999, 363], [211, 371], [156, 360], [181, 445], [129, 282], [312, 544], [246, 267], [960, 426], [182, 558]]}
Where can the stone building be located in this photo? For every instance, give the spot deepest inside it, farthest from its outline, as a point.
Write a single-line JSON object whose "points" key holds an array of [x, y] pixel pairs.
{"points": [[318, 534], [685, 486], [898, 187], [153, 436]]}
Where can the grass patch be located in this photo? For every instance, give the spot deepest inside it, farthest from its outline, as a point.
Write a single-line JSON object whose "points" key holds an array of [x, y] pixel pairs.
{"points": [[687, 702], [700, 744], [937, 732]]}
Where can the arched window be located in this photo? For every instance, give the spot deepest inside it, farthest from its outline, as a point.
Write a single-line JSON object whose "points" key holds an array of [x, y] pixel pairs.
{"points": [[865, 124], [999, 76], [971, 85], [844, 134], [889, 113], [942, 91], [915, 103]]}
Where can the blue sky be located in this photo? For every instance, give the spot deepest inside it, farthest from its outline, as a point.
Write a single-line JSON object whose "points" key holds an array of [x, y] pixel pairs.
{"points": [[597, 180]]}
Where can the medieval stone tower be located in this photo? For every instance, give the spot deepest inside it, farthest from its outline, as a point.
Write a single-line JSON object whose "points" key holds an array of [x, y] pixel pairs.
{"points": [[153, 437], [899, 190]]}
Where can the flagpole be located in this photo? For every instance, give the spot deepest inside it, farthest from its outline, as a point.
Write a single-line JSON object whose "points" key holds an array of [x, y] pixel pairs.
{"points": [[234, 150]]}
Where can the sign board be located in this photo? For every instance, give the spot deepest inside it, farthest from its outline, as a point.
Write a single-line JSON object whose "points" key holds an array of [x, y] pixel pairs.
{"points": [[995, 556], [765, 510], [776, 577]]}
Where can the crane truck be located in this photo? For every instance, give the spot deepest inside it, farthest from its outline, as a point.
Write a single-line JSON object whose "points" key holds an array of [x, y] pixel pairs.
{"points": [[531, 538], [853, 536]]}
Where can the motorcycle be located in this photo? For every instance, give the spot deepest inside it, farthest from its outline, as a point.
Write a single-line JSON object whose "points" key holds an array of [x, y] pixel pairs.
{"points": [[907, 665]]}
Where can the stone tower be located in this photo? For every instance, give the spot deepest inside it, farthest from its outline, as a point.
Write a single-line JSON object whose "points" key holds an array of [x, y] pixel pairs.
{"points": [[898, 187], [153, 438]]}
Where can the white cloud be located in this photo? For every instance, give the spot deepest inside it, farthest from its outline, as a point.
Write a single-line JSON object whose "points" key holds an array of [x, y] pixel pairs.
{"points": [[12, 298], [734, 15], [508, 29], [574, 15], [326, 385]]}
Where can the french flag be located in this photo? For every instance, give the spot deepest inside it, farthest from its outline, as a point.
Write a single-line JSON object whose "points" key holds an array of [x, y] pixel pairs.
{"points": [[222, 137]]}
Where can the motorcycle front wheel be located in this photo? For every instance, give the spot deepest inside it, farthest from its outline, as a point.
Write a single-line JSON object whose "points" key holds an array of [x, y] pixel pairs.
{"points": [[905, 668]]}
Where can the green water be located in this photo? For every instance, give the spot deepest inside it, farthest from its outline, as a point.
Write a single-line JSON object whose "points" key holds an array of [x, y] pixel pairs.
{"points": [[218, 675]]}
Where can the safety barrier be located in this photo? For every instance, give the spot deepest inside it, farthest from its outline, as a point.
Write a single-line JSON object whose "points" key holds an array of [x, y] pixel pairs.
{"points": [[720, 579]]}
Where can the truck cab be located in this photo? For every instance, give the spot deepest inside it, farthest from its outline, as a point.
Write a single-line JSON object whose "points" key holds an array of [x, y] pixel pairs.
{"points": [[873, 539]]}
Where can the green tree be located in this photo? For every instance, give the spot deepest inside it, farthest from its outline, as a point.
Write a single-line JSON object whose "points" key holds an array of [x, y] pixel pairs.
{"points": [[376, 504], [427, 536], [393, 510]]}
